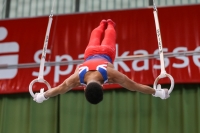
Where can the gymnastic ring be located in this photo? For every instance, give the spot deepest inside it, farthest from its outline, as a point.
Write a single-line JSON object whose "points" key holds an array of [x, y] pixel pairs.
{"points": [[163, 76], [40, 81]]}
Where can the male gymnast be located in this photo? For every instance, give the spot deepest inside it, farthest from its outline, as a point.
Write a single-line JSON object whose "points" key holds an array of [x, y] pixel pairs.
{"points": [[98, 69]]}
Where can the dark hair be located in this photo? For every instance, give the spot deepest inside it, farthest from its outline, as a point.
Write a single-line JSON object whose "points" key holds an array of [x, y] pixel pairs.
{"points": [[94, 92]]}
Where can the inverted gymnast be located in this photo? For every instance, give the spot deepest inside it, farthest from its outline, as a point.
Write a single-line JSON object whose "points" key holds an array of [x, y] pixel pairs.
{"points": [[98, 69]]}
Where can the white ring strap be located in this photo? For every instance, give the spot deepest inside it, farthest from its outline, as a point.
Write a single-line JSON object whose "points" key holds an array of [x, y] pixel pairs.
{"points": [[42, 61], [163, 73]]}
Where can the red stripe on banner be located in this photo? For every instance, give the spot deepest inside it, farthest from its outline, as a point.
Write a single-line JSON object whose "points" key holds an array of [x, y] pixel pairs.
{"points": [[21, 41]]}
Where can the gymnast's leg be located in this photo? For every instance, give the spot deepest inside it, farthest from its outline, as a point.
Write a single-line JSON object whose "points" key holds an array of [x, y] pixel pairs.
{"points": [[95, 38], [109, 40]]}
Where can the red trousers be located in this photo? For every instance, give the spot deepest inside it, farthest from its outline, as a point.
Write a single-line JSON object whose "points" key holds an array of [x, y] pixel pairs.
{"points": [[102, 41]]}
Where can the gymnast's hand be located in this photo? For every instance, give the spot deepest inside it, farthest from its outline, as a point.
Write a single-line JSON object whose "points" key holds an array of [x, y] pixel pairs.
{"points": [[162, 93], [39, 97]]}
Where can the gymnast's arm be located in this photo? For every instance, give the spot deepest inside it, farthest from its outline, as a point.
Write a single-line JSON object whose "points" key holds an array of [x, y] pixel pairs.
{"points": [[68, 84], [115, 76]]}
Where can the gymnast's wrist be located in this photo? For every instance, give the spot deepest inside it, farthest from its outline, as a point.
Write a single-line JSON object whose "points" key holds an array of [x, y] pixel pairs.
{"points": [[45, 96]]}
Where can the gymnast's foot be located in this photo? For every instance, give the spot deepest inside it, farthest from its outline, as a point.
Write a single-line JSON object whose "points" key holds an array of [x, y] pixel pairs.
{"points": [[104, 23], [111, 22]]}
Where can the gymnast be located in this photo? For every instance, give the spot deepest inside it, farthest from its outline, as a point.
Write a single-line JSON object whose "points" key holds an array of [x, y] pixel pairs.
{"points": [[97, 69]]}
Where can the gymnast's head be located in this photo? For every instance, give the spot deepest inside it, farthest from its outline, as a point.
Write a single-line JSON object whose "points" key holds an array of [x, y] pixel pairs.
{"points": [[94, 92]]}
